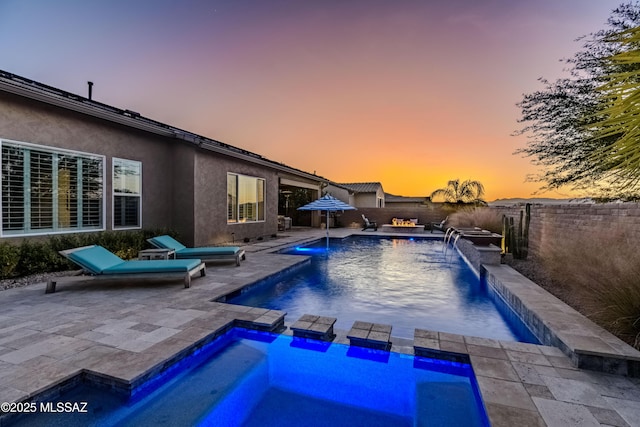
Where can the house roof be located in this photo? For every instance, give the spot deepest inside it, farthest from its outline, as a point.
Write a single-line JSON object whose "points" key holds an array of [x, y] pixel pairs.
{"points": [[22, 86], [392, 198], [363, 187]]}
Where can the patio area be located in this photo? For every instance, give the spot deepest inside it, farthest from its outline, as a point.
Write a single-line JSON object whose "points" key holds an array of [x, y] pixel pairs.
{"points": [[122, 335]]}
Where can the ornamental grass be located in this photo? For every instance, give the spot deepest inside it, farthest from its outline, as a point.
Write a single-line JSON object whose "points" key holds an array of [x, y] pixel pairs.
{"points": [[600, 270]]}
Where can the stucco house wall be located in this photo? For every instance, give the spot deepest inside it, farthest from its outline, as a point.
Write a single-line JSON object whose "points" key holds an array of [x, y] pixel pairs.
{"points": [[366, 200], [34, 122], [210, 199], [365, 194], [184, 176], [340, 193], [182, 188]]}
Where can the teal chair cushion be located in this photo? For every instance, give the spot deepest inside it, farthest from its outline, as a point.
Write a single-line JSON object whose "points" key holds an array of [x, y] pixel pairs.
{"points": [[154, 266], [95, 259], [208, 251], [167, 242]]}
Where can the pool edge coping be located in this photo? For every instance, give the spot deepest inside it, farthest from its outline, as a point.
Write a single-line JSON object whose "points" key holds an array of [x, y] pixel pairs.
{"points": [[60, 384]]}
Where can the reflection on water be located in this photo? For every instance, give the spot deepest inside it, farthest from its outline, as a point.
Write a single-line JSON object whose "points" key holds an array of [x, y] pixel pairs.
{"points": [[403, 282]]}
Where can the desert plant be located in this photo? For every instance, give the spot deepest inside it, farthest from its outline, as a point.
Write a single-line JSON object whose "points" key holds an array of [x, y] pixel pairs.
{"points": [[485, 218], [516, 233], [605, 286]]}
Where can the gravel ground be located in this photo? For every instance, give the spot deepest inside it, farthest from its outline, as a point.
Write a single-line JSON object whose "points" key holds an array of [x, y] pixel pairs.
{"points": [[19, 282], [532, 269]]}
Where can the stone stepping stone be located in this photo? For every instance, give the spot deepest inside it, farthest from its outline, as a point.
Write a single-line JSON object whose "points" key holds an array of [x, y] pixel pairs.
{"points": [[370, 335], [315, 327], [440, 346]]}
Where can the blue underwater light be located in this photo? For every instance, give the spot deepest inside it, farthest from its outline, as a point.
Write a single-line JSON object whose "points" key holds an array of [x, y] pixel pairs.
{"points": [[310, 250]]}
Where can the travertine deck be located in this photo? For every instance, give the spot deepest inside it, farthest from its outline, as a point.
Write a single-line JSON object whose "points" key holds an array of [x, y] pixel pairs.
{"points": [[124, 334], [558, 325]]}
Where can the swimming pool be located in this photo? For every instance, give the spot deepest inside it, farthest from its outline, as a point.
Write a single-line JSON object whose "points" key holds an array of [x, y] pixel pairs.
{"points": [[407, 283], [251, 378]]}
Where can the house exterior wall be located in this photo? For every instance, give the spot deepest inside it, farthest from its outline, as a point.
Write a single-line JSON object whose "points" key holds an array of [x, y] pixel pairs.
{"points": [[366, 200], [380, 202], [339, 193], [28, 121], [210, 198], [184, 187], [182, 204]]}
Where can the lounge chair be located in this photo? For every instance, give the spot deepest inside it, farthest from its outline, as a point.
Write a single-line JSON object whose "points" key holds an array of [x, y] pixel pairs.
{"points": [[442, 225], [206, 254], [99, 263], [368, 224]]}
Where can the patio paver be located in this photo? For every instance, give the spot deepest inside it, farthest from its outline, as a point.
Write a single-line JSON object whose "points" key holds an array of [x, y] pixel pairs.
{"points": [[130, 332]]}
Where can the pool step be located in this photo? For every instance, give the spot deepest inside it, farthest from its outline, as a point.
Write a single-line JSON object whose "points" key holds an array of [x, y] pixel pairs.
{"points": [[370, 335], [316, 327], [440, 345]]}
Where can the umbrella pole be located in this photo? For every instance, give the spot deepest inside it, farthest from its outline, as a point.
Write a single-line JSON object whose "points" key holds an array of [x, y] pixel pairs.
{"points": [[327, 230]]}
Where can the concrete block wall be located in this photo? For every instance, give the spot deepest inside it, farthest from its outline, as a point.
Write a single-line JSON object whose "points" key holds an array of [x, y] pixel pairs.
{"points": [[426, 214], [549, 222]]}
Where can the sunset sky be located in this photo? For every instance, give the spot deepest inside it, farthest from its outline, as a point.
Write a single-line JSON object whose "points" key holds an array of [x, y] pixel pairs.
{"points": [[410, 93]]}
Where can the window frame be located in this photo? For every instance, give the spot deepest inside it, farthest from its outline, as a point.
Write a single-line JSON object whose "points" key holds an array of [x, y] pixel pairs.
{"points": [[54, 230], [236, 199], [114, 194]]}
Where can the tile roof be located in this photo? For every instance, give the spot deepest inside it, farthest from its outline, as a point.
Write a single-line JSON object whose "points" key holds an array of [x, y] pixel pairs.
{"points": [[363, 187], [394, 198]]}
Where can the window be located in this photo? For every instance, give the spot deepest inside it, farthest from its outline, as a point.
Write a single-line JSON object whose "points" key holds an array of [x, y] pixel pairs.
{"points": [[47, 190], [127, 195], [245, 198]]}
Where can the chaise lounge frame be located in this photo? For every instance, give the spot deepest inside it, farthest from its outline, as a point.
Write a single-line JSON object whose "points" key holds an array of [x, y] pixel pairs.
{"points": [[87, 275], [441, 226], [237, 256], [369, 224]]}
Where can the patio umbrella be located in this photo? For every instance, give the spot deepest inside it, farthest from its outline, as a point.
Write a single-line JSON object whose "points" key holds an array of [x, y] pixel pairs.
{"points": [[327, 203]]}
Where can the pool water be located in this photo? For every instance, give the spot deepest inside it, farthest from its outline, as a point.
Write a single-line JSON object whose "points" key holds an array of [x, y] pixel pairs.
{"points": [[251, 378], [407, 283]]}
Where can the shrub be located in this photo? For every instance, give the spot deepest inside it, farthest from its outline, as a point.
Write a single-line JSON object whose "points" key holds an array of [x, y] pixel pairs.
{"points": [[41, 256], [38, 257], [601, 274], [125, 244], [9, 258], [485, 218]]}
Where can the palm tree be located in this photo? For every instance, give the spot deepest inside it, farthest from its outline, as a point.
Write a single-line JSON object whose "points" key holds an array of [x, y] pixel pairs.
{"points": [[466, 192]]}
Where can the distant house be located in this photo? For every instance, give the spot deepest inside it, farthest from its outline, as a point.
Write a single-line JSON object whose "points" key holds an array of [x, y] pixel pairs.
{"points": [[71, 164], [365, 194], [405, 202]]}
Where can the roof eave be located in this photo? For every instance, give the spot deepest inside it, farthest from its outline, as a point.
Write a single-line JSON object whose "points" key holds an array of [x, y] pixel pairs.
{"points": [[91, 108]]}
